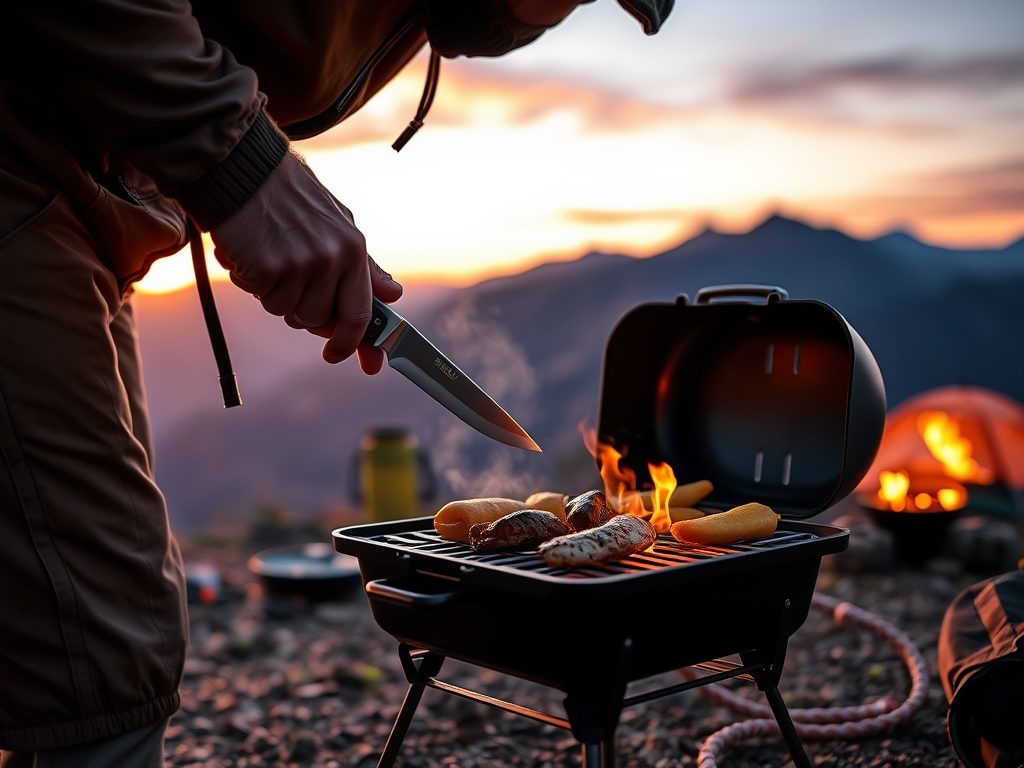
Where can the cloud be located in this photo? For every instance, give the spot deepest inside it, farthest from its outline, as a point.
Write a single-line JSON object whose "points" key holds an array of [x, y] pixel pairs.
{"points": [[898, 73], [599, 217], [815, 94], [992, 189], [472, 94]]}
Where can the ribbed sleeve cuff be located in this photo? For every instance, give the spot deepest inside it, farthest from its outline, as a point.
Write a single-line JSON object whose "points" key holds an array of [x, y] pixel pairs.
{"points": [[222, 190]]}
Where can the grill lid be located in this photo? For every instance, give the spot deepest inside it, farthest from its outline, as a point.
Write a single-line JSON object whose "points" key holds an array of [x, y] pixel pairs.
{"points": [[773, 400]]}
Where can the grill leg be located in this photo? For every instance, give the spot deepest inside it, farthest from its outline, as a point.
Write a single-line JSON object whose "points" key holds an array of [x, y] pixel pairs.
{"points": [[608, 752], [599, 755], [401, 726], [417, 674], [789, 734]]}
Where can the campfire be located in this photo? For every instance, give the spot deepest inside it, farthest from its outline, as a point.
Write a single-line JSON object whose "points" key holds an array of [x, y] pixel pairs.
{"points": [[935, 488], [948, 449]]}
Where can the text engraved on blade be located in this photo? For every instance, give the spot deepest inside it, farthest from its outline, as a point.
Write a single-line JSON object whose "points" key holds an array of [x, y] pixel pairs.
{"points": [[446, 369]]}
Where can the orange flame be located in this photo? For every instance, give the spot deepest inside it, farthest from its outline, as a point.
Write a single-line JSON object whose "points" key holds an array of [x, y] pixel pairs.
{"points": [[617, 482], [894, 487], [950, 499], [895, 492], [620, 484], [664, 483], [941, 433]]}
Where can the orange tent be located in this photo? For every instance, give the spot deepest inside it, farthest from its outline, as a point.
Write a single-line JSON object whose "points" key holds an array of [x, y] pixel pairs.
{"points": [[939, 443]]}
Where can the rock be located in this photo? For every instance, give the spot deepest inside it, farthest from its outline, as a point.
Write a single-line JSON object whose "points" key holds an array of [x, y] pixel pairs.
{"points": [[215, 646], [336, 613], [223, 702], [245, 636], [871, 549], [249, 715], [202, 725], [282, 642], [260, 740], [305, 747], [196, 667], [312, 690], [984, 545]]}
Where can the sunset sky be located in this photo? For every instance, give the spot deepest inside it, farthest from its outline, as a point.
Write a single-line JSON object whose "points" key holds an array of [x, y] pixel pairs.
{"points": [[869, 116]]}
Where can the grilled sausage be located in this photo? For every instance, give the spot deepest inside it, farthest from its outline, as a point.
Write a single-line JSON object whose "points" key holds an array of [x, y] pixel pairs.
{"points": [[750, 521], [455, 519], [525, 528], [549, 502], [620, 537], [588, 511]]}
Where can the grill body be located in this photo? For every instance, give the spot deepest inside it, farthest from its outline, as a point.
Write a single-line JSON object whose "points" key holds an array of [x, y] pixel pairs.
{"points": [[510, 612]]}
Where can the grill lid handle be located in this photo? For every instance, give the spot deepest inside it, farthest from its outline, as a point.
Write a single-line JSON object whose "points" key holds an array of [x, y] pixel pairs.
{"points": [[771, 293], [380, 588]]}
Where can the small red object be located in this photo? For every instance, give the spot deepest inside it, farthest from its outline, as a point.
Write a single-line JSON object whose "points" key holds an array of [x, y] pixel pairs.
{"points": [[207, 594]]}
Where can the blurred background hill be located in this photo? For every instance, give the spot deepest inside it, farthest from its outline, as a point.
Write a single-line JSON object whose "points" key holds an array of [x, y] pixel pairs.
{"points": [[932, 316]]}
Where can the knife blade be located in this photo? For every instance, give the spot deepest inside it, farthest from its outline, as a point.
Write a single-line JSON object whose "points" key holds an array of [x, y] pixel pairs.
{"points": [[411, 354]]}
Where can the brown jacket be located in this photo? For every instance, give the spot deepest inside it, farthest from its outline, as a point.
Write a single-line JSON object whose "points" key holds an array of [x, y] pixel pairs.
{"points": [[139, 110], [117, 118], [120, 115]]}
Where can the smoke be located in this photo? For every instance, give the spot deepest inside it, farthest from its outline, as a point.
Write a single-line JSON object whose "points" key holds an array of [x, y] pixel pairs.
{"points": [[473, 465]]}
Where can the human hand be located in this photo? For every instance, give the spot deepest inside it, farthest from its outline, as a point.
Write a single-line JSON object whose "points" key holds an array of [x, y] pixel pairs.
{"points": [[295, 248]]}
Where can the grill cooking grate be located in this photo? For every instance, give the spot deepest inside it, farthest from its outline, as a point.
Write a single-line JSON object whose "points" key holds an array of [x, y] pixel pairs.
{"points": [[667, 552]]}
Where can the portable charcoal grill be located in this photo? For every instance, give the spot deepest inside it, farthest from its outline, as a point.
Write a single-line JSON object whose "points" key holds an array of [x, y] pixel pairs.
{"points": [[798, 444]]}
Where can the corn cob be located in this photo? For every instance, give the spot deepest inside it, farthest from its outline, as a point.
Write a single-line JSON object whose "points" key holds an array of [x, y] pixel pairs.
{"points": [[749, 521]]}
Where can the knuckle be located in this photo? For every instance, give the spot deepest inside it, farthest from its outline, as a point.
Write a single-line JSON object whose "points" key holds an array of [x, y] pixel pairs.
{"points": [[355, 240], [322, 258], [359, 318]]}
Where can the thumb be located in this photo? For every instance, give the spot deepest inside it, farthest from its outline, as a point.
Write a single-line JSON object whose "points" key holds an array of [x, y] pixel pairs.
{"points": [[385, 287]]}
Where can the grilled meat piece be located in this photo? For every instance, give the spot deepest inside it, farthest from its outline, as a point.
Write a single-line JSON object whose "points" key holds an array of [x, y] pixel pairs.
{"points": [[525, 528], [588, 511], [619, 537]]}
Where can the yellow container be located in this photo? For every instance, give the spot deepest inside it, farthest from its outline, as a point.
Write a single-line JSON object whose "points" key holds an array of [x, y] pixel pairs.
{"points": [[389, 469]]}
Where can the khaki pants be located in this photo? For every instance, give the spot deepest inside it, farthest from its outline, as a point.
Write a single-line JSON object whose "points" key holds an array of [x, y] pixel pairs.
{"points": [[93, 621]]}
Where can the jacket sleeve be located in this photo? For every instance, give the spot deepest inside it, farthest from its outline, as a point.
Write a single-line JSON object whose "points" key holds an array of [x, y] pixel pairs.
{"points": [[175, 105]]}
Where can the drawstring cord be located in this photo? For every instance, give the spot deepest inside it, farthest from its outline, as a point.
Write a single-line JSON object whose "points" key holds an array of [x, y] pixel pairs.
{"points": [[226, 375], [429, 89]]}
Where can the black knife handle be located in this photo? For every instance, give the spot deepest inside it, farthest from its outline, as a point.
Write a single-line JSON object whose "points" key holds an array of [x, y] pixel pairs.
{"points": [[382, 323]]}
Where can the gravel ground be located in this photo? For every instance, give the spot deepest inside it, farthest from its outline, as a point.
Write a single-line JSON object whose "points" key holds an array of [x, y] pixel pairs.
{"points": [[321, 687]]}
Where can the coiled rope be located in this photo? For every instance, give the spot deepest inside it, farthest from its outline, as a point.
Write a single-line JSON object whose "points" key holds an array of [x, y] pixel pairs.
{"points": [[823, 723]]}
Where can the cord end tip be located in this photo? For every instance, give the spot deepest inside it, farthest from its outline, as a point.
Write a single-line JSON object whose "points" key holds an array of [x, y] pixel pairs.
{"points": [[407, 134], [229, 391]]}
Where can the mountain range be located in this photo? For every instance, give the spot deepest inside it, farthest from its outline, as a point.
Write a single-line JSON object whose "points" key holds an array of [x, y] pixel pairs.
{"points": [[534, 341]]}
